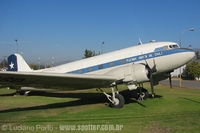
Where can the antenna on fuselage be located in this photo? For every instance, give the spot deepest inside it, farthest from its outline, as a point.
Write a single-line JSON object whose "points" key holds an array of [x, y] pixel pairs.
{"points": [[140, 42]]}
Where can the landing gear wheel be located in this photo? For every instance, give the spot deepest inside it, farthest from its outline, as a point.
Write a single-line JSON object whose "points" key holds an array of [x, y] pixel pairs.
{"points": [[143, 94], [26, 93], [17, 93], [118, 101]]}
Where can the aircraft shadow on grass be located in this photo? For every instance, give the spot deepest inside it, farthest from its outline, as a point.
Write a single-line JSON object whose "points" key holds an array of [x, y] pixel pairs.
{"points": [[189, 100], [84, 99]]}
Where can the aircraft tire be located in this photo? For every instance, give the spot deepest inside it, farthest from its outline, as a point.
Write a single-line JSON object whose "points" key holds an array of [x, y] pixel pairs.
{"points": [[145, 94], [119, 101]]}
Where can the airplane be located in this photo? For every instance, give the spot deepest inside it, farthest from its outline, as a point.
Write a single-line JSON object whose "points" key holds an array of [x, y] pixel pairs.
{"points": [[132, 66]]}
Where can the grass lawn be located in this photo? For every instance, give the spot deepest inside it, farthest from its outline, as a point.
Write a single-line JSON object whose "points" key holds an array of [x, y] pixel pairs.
{"points": [[176, 110]]}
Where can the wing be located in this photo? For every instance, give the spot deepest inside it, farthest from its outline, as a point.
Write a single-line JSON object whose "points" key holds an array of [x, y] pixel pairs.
{"points": [[54, 80]]}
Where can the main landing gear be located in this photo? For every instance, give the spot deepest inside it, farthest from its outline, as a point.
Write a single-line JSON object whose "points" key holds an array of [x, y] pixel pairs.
{"points": [[20, 92], [116, 100], [142, 94]]}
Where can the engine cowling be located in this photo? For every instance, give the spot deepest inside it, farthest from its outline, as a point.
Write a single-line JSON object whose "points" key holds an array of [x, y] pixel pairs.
{"points": [[134, 73]]}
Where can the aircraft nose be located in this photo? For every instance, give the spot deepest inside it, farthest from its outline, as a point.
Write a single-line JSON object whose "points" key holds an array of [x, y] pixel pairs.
{"points": [[189, 54]]}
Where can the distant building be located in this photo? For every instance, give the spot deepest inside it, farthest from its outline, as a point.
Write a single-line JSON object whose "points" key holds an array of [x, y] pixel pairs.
{"points": [[4, 69], [177, 71]]}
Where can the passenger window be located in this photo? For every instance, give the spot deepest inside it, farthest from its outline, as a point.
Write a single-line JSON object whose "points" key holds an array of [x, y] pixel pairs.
{"points": [[123, 61], [111, 64], [90, 69], [100, 66], [80, 71]]}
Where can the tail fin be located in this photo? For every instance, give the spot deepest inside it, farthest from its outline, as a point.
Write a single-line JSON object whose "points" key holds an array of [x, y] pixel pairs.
{"points": [[17, 63]]}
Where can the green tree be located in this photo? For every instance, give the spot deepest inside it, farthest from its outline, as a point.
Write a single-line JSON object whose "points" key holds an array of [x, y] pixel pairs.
{"points": [[36, 67], [197, 55], [89, 53], [193, 69], [4, 63], [33, 66]]}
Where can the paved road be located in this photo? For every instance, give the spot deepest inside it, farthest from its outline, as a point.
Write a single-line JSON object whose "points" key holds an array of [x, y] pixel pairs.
{"points": [[185, 83]]}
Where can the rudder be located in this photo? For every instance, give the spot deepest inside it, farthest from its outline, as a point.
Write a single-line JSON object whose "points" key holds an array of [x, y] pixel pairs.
{"points": [[17, 63]]}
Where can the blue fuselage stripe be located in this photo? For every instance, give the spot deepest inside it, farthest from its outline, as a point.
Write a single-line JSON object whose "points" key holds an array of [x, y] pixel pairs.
{"points": [[129, 60]]}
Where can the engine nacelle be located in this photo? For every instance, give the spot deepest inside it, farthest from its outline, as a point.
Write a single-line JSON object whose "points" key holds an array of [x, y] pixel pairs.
{"points": [[134, 73]]}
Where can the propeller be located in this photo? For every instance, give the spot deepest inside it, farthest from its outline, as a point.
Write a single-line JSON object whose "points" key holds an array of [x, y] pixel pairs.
{"points": [[151, 71], [170, 81]]}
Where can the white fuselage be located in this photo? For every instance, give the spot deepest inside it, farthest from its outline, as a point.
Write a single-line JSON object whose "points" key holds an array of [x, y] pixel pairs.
{"points": [[165, 56]]}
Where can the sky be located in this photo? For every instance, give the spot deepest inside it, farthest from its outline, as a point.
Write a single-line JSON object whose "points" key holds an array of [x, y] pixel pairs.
{"points": [[63, 29]]}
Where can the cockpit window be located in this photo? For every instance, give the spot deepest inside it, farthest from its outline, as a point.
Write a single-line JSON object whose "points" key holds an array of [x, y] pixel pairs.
{"points": [[167, 47], [173, 46]]}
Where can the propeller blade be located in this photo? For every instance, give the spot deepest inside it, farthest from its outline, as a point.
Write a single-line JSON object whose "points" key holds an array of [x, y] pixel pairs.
{"points": [[151, 83], [154, 66], [170, 80], [151, 71]]}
